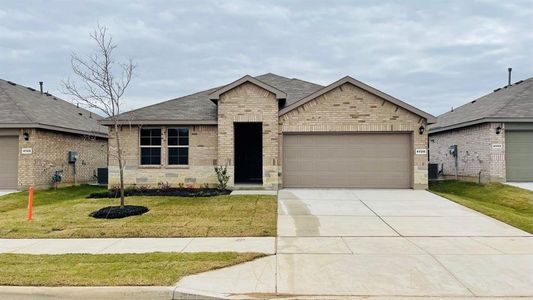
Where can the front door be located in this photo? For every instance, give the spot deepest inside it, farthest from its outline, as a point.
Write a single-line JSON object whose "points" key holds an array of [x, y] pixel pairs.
{"points": [[248, 153]]}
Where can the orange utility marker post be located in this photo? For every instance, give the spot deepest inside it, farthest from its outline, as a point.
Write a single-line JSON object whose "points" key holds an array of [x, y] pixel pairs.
{"points": [[30, 203]]}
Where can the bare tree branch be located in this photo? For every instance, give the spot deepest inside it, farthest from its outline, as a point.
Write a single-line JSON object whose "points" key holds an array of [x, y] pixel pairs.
{"points": [[100, 85]]}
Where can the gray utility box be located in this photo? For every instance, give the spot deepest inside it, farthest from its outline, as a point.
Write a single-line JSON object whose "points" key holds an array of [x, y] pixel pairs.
{"points": [[72, 157]]}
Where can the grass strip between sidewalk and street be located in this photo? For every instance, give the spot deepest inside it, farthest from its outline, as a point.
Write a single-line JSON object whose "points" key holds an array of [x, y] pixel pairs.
{"points": [[506, 203], [148, 269]]}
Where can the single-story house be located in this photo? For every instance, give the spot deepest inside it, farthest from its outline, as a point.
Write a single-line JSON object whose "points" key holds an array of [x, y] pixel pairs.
{"points": [[271, 132], [37, 133], [493, 134]]}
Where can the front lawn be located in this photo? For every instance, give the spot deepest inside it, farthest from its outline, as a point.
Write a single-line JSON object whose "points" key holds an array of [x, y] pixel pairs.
{"points": [[161, 269], [508, 204], [64, 213]]}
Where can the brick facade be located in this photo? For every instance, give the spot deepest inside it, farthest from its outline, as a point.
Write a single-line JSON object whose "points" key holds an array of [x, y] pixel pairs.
{"points": [[50, 153], [348, 108], [200, 171], [249, 103], [476, 156]]}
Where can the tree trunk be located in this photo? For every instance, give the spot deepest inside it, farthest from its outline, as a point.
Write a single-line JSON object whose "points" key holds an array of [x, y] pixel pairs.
{"points": [[120, 165]]}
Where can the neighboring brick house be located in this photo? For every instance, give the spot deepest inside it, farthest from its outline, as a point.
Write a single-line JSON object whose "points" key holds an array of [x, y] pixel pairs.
{"points": [[272, 132], [37, 132], [493, 134]]}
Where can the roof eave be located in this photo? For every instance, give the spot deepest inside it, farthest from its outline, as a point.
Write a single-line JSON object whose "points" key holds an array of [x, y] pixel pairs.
{"points": [[54, 128], [158, 122], [430, 119], [480, 121]]}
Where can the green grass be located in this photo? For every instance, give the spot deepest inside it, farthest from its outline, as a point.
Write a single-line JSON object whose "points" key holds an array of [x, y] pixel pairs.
{"points": [[64, 213], [161, 269], [508, 204]]}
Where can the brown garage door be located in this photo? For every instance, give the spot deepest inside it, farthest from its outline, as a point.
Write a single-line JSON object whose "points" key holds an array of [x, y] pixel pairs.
{"points": [[8, 162], [377, 160]]}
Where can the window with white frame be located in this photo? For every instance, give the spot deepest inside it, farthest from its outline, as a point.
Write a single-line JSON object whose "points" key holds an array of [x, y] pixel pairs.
{"points": [[178, 146], [150, 143]]}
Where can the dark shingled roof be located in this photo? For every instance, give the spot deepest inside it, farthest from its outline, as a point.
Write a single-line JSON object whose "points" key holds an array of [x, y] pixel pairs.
{"points": [[199, 109], [509, 104], [23, 107]]}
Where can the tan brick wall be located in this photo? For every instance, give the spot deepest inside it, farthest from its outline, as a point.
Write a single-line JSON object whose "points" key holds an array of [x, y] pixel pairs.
{"points": [[200, 171], [50, 153], [249, 103], [351, 109], [475, 152]]}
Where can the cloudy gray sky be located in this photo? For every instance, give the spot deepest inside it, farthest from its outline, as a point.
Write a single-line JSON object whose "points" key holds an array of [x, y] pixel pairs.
{"points": [[432, 54]]}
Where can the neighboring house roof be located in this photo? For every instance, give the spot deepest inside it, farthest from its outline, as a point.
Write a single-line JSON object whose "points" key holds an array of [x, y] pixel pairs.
{"points": [[24, 107], [512, 103], [199, 109]]}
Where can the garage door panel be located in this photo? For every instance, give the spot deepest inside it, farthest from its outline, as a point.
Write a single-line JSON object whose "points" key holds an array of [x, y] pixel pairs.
{"points": [[346, 160], [519, 155], [8, 162]]}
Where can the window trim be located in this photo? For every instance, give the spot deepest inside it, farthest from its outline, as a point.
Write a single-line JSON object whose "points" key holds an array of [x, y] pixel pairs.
{"points": [[151, 146], [179, 146]]}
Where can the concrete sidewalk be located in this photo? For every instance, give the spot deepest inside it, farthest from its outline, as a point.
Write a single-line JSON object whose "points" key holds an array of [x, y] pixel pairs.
{"points": [[522, 185], [138, 245]]}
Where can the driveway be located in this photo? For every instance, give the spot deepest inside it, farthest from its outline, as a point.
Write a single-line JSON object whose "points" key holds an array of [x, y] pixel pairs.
{"points": [[340, 242], [6, 191]]}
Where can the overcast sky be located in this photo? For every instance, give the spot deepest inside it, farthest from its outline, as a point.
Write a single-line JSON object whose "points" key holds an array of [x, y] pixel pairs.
{"points": [[432, 54]]}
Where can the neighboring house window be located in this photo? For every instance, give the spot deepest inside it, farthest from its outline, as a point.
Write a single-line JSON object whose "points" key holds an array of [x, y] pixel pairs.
{"points": [[178, 146], [150, 146]]}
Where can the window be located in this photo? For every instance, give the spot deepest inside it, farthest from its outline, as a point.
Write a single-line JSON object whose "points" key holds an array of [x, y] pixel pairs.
{"points": [[150, 146], [178, 146]]}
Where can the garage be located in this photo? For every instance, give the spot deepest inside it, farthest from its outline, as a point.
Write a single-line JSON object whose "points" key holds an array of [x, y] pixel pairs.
{"points": [[519, 155], [8, 162], [349, 160]]}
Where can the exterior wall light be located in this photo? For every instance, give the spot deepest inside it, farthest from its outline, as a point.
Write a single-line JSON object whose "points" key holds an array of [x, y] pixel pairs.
{"points": [[421, 129], [26, 136], [498, 130]]}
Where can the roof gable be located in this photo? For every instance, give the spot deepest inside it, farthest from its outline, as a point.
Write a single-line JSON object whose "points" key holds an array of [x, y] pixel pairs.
{"points": [[430, 118], [216, 94]]}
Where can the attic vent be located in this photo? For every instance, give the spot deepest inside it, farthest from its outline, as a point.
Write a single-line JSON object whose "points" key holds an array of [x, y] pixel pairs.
{"points": [[31, 89], [519, 82], [12, 83], [497, 89]]}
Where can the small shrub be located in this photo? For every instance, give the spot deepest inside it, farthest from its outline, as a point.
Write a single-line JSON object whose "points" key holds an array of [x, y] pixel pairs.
{"points": [[222, 176], [181, 185], [143, 189], [164, 186]]}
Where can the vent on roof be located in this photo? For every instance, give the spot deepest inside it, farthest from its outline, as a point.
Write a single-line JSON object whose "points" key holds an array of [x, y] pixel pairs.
{"points": [[497, 89], [48, 94], [519, 82], [80, 114], [12, 83], [473, 101], [31, 89]]}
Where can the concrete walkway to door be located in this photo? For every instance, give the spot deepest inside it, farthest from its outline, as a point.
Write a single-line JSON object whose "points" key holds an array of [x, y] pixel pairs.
{"points": [[343, 242]]}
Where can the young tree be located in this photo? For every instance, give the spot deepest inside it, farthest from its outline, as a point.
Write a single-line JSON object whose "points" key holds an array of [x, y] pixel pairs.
{"points": [[100, 84]]}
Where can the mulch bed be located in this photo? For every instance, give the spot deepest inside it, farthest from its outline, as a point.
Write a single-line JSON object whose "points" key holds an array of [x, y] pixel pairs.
{"points": [[118, 212], [180, 192]]}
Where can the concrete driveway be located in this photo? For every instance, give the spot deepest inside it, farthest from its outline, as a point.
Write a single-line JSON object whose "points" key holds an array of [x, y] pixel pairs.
{"points": [[347, 242], [6, 191]]}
